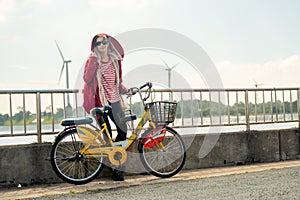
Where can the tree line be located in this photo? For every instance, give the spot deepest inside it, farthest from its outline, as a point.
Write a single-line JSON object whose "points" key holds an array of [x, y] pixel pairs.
{"points": [[197, 108], [185, 108], [46, 115]]}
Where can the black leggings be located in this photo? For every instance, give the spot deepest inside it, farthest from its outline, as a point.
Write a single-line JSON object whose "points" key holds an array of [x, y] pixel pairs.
{"points": [[116, 114]]}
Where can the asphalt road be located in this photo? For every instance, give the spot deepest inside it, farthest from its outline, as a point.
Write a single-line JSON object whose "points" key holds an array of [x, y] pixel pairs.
{"points": [[277, 180], [281, 183]]}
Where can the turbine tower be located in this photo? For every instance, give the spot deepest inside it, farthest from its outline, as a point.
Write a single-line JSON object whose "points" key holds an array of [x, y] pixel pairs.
{"points": [[169, 69], [65, 63]]}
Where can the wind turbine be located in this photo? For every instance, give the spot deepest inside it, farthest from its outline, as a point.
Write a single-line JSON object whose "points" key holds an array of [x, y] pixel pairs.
{"points": [[65, 63], [169, 69], [257, 84]]}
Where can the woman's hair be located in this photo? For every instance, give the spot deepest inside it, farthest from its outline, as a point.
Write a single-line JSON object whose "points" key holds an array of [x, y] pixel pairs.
{"points": [[111, 50]]}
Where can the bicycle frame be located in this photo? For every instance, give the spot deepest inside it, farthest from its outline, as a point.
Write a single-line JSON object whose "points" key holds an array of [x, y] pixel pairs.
{"points": [[106, 150]]}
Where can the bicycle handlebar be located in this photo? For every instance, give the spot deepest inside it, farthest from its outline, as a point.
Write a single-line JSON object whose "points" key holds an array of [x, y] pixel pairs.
{"points": [[131, 91], [149, 84], [135, 90]]}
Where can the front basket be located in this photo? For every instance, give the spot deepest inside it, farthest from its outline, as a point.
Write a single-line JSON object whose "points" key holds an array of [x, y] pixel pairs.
{"points": [[162, 111]]}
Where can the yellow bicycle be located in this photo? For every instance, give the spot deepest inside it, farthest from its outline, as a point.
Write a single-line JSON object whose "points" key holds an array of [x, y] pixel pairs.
{"points": [[79, 152]]}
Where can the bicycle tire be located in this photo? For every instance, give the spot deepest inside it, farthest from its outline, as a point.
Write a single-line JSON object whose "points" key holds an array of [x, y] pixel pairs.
{"points": [[69, 164], [165, 163]]}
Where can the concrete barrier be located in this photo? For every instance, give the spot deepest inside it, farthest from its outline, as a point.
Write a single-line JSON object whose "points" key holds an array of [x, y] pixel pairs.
{"points": [[27, 164]]}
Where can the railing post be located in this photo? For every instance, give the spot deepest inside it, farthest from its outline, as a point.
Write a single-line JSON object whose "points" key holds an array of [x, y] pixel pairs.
{"points": [[192, 108], [298, 106], [24, 114], [76, 106], [38, 117], [10, 116], [182, 117], [247, 112], [237, 107], [276, 104], [210, 108], [201, 109]]}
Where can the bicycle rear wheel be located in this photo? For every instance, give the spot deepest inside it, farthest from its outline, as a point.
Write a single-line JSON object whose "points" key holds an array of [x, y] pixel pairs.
{"points": [[69, 164], [164, 162]]}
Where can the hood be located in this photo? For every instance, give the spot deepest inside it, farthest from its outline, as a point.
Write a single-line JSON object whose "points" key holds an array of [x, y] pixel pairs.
{"points": [[113, 41]]}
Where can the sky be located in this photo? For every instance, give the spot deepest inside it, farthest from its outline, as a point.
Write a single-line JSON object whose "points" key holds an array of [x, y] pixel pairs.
{"points": [[249, 41]]}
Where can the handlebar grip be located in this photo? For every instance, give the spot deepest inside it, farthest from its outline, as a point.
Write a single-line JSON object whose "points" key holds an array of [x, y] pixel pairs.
{"points": [[133, 91], [100, 110], [106, 108], [149, 84]]}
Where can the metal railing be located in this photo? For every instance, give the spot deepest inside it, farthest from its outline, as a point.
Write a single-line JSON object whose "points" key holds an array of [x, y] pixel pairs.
{"points": [[196, 108], [39, 96], [232, 107]]}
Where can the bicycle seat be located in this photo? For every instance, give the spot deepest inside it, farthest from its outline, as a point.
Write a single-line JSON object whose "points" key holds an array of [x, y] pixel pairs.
{"points": [[76, 121]]}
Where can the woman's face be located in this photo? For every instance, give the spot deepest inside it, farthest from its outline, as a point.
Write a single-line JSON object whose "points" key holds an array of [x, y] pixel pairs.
{"points": [[101, 44]]}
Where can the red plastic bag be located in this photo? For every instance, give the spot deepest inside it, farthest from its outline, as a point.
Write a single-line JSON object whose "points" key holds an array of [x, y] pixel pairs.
{"points": [[154, 136]]}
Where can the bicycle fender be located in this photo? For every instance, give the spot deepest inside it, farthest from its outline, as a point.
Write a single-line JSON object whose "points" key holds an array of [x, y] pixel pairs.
{"points": [[67, 129]]}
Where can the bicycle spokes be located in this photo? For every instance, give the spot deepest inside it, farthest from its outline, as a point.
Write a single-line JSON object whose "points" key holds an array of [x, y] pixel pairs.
{"points": [[166, 158]]}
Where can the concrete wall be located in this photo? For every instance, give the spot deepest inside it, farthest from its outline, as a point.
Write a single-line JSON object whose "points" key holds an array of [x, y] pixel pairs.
{"points": [[27, 164], [246, 148]]}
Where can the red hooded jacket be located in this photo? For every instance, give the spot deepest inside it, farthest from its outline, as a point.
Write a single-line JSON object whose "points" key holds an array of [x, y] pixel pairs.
{"points": [[91, 91]]}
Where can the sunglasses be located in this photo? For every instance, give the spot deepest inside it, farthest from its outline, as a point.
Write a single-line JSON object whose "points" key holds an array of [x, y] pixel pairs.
{"points": [[104, 42]]}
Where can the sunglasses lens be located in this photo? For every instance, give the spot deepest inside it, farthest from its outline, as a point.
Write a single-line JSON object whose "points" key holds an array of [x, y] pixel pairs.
{"points": [[104, 42]]}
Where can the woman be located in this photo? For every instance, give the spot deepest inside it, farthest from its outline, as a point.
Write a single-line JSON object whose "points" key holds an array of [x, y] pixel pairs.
{"points": [[103, 84]]}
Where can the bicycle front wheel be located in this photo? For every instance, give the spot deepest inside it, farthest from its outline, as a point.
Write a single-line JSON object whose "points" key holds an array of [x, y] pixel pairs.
{"points": [[69, 164], [166, 160]]}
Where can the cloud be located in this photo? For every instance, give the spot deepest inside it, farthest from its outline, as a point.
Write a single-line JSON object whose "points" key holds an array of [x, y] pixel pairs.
{"points": [[7, 8], [36, 2], [124, 4], [14, 67], [274, 73], [19, 67]]}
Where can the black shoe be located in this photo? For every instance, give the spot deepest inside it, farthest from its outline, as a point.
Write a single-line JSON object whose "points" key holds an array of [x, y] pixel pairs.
{"points": [[118, 175]]}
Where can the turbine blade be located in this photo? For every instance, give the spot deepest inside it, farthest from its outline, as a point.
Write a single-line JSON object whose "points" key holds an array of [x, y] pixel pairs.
{"points": [[165, 63], [174, 66], [60, 52], [62, 69]]}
